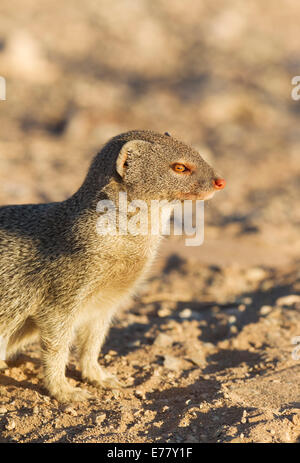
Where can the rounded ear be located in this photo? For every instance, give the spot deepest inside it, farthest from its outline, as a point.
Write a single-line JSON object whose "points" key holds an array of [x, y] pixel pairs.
{"points": [[131, 148]]}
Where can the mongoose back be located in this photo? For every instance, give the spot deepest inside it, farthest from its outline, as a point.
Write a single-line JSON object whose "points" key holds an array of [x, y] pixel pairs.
{"points": [[62, 280]]}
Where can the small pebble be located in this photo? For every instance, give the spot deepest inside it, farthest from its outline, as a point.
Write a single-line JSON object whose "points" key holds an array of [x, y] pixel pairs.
{"points": [[112, 352], [256, 274], [130, 381], [209, 345], [136, 343], [252, 419], [164, 312], [232, 319], [70, 410], [198, 358], [163, 340], [265, 309], [99, 418], [11, 424], [247, 300], [185, 313], [173, 363], [291, 299], [140, 394], [116, 393]]}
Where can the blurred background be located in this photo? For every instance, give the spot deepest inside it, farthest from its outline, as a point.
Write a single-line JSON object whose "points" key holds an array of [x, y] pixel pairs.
{"points": [[216, 74]]}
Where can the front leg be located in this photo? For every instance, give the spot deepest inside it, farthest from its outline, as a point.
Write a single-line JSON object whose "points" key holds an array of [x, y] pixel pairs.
{"points": [[90, 337], [56, 335]]}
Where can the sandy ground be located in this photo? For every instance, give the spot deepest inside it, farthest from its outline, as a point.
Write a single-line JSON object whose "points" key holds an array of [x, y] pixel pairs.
{"points": [[207, 349]]}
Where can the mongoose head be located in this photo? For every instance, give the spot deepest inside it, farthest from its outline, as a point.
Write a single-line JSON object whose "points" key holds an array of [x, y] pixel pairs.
{"points": [[148, 165]]}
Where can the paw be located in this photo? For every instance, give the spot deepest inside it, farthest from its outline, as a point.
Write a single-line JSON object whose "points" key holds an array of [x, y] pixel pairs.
{"points": [[71, 394], [100, 378], [112, 382]]}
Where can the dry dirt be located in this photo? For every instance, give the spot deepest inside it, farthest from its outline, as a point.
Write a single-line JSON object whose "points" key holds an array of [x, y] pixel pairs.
{"points": [[206, 350]]}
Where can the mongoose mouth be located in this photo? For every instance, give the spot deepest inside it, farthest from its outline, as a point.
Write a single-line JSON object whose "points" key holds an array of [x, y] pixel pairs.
{"points": [[194, 196], [217, 184]]}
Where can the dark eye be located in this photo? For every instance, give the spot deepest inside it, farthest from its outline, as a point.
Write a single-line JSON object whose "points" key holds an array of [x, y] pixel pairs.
{"points": [[180, 168]]}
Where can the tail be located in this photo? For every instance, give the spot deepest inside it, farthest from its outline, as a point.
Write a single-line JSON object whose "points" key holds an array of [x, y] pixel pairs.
{"points": [[21, 337]]}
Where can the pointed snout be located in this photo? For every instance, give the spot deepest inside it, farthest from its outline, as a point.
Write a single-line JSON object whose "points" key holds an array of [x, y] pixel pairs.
{"points": [[219, 183]]}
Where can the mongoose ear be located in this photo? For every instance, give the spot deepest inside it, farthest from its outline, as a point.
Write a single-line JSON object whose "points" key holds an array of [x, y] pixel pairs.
{"points": [[133, 147]]}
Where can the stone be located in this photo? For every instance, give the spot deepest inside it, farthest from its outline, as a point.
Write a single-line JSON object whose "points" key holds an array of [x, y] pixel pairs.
{"points": [[163, 340], [173, 363], [291, 299], [265, 309], [10, 425], [185, 313], [98, 419]]}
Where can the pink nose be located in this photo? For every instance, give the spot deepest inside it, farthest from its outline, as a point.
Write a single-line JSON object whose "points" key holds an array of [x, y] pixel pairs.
{"points": [[219, 183]]}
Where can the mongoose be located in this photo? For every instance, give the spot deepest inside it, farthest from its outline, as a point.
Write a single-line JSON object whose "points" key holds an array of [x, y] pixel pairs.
{"points": [[62, 280]]}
